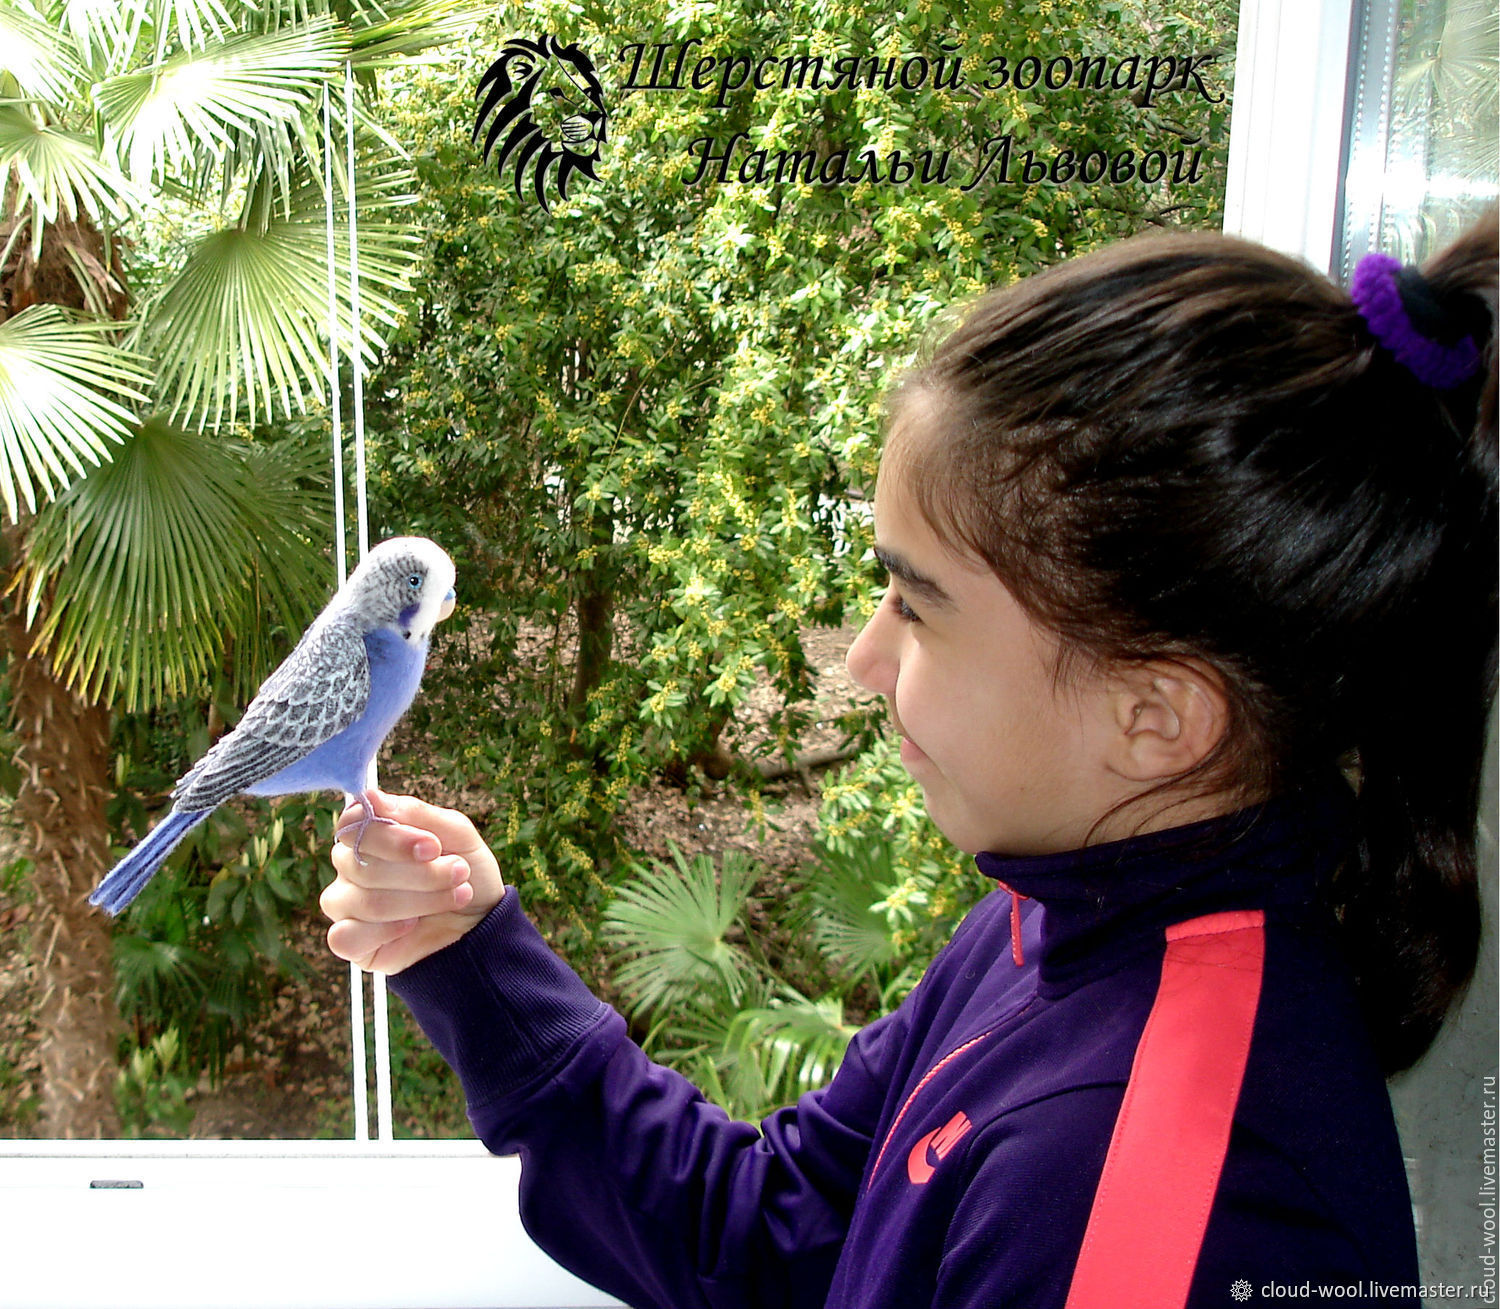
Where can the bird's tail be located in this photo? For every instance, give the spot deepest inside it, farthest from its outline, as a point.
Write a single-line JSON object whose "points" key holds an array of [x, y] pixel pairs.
{"points": [[124, 881]]}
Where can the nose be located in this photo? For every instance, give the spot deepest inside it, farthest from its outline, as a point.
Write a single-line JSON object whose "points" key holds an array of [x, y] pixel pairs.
{"points": [[871, 660]]}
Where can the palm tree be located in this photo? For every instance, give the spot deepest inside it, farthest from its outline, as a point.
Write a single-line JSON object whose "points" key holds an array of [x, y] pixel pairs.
{"points": [[165, 286]]}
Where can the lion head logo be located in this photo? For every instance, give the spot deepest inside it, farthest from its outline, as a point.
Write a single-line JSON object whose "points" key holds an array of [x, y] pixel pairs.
{"points": [[549, 106]]}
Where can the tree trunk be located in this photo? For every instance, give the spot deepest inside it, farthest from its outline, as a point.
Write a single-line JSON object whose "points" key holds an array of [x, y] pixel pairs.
{"points": [[595, 605], [64, 763], [64, 751]]}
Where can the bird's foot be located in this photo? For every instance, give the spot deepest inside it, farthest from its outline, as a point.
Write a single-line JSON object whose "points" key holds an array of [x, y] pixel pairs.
{"points": [[359, 828]]}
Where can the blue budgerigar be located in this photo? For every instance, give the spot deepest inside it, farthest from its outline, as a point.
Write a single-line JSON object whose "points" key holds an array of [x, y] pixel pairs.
{"points": [[317, 721]]}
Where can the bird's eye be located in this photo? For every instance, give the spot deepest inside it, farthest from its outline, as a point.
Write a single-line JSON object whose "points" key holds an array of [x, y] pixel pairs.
{"points": [[415, 581]]}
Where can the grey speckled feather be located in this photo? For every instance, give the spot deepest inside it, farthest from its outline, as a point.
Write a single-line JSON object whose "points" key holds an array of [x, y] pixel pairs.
{"points": [[319, 689]]}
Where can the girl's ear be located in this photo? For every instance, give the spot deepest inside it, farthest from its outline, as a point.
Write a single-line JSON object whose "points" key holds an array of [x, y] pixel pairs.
{"points": [[1165, 718]]}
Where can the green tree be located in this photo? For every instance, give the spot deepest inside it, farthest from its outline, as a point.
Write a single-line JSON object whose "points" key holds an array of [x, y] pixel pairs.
{"points": [[164, 287], [647, 417]]}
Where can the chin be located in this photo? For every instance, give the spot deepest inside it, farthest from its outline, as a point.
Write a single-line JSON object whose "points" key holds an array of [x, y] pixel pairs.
{"points": [[958, 833]]}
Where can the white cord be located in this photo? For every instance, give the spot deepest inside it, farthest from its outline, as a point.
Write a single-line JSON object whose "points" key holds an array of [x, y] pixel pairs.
{"points": [[356, 362], [336, 400], [359, 1054], [356, 359], [356, 983]]}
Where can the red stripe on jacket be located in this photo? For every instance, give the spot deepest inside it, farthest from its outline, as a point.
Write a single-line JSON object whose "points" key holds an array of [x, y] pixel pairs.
{"points": [[1152, 1204]]}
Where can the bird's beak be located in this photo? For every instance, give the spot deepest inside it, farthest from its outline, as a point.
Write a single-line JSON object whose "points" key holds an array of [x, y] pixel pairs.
{"points": [[449, 601]]}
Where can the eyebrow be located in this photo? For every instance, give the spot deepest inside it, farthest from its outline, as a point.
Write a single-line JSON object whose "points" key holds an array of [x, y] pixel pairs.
{"points": [[918, 584]]}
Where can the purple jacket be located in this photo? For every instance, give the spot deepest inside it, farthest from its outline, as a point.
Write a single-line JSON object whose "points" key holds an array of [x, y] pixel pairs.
{"points": [[955, 1157]]}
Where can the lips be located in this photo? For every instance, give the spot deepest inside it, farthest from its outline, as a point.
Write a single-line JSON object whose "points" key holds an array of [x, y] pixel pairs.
{"points": [[911, 752]]}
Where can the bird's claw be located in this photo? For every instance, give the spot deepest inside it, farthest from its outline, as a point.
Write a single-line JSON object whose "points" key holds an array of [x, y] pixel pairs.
{"points": [[359, 828]]}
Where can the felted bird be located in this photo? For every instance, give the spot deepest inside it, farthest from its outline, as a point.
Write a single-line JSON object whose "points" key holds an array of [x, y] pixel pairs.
{"points": [[317, 721]]}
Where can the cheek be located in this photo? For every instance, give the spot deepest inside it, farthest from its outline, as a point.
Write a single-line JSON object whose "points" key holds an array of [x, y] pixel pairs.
{"points": [[980, 717], [932, 703]]}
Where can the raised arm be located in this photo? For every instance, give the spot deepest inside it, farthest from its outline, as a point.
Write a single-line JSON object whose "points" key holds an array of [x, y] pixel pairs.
{"points": [[630, 1177]]}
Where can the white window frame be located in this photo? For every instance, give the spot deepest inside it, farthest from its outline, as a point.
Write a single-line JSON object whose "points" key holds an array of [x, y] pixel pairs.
{"points": [[1286, 139], [186, 1224]]}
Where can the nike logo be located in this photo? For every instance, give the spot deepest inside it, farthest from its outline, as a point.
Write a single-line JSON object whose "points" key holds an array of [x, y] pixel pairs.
{"points": [[933, 1148]]}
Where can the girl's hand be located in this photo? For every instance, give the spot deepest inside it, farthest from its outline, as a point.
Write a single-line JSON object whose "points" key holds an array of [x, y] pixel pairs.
{"points": [[426, 879]]}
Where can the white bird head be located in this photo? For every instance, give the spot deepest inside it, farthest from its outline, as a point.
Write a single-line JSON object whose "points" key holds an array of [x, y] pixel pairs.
{"points": [[406, 584]]}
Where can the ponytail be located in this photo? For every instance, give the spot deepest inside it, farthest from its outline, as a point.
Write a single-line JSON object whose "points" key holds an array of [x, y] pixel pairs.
{"points": [[1409, 902]]}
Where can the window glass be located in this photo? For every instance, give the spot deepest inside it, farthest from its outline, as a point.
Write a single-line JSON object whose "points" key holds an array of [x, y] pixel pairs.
{"points": [[1422, 170]]}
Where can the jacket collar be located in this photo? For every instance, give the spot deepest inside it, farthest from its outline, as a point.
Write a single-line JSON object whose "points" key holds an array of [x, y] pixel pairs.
{"points": [[1104, 903]]}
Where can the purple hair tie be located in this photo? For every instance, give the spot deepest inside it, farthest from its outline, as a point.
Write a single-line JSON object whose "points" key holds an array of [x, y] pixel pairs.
{"points": [[1376, 293]]}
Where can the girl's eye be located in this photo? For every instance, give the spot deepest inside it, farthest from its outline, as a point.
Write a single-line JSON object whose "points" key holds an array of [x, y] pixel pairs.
{"points": [[903, 610]]}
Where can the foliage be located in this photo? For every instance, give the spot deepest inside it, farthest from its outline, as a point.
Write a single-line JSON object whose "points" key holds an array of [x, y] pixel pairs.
{"points": [[165, 269], [643, 421], [751, 1061], [216, 539], [198, 950], [60, 375], [724, 1000], [120, 336], [1445, 126], [427, 1100], [152, 1090], [874, 833], [222, 108], [671, 922]]}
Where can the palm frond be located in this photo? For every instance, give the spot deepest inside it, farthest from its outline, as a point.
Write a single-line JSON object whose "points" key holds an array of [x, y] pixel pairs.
{"points": [[852, 936], [62, 383], [35, 55], [148, 565], [59, 171], [752, 1060], [1461, 66], [104, 32], [149, 974], [290, 577], [672, 922], [165, 120], [797, 1043], [192, 24], [243, 321], [393, 34]]}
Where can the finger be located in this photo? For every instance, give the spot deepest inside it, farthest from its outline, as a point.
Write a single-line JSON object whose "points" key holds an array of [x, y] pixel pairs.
{"points": [[453, 829], [342, 899], [396, 808], [392, 947], [399, 874], [360, 943], [409, 821]]}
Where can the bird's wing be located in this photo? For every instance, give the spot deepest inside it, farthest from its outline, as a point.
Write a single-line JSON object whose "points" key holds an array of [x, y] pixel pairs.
{"points": [[319, 689]]}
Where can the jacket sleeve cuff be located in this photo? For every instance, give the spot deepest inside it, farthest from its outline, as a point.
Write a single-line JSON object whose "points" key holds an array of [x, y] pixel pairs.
{"points": [[503, 1010]]}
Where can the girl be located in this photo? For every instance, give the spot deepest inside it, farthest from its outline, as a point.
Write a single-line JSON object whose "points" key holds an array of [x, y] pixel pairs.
{"points": [[1190, 639]]}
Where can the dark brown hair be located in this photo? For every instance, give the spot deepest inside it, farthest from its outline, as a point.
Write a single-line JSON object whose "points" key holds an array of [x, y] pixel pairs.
{"points": [[1189, 446]]}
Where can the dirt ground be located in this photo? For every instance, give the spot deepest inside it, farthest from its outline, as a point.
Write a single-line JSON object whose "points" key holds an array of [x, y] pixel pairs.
{"points": [[289, 1077]]}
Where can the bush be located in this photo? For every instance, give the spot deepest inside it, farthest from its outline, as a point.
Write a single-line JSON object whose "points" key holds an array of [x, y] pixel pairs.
{"points": [[757, 1017]]}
